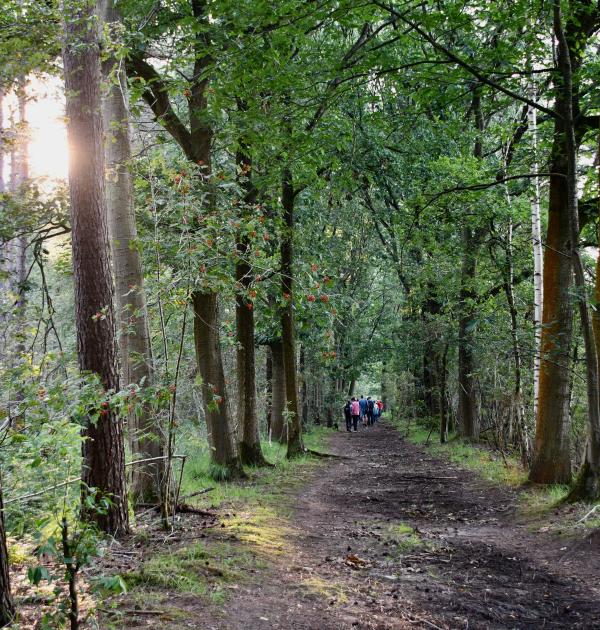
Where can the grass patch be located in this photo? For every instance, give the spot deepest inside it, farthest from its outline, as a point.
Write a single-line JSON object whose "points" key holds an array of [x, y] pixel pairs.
{"points": [[402, 536], [254, 516], [541, 499], [326, 590], [262, 482], [261, 528], [196, 570]]}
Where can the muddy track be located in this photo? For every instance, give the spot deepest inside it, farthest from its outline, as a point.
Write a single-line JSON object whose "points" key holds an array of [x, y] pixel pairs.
{"points": [[468, 563]]}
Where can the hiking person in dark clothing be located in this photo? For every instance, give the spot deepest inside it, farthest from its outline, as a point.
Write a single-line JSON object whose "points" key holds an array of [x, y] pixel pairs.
{"points": [[348, 415], [370, 406]]}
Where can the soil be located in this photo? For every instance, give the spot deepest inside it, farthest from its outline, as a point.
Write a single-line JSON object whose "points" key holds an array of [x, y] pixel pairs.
{"points": [[389, 537]]}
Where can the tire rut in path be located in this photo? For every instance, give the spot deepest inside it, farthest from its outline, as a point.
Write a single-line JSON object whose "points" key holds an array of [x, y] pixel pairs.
{"points": [[469, 563]]}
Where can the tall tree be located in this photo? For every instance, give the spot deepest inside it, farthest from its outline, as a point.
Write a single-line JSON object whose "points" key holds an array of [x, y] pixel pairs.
{"points": [[7, 608], [103, 449], [552, 453], [249, 443], [132, 316], [196, 144], [288, 336]]}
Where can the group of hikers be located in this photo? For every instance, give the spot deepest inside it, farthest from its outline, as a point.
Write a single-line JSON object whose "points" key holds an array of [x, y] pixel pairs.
{"points": [[365, 410]]}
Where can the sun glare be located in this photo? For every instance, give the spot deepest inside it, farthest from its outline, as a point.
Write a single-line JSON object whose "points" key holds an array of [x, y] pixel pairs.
{"points": [[48, 149]]}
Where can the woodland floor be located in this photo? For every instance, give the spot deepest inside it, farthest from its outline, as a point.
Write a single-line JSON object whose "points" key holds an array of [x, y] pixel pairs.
{"points": [[441, 547]]}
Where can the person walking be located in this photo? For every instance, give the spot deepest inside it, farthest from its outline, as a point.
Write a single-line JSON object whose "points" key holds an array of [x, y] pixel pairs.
{"points": [[370, 410], [363, 410], [348, 415], [375, 412], [355, 412]]}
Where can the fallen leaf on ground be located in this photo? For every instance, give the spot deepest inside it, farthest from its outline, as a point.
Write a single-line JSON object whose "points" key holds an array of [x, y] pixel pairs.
{"points": [[355, 562]]}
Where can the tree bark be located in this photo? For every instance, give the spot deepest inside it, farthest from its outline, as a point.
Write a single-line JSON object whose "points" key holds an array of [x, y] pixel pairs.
{"points": [[103, 450], [17, 248], [551, 459], [288, 340], [250, 449], [443, 400], [352, 387], [249, 445], [467, 405], [588, 481], [517, 403], [269, 390], [304, 403], [7, 607], [224, 454], [592, 458], [278, 429], [471, 237], [538, 264], [145, 436]]}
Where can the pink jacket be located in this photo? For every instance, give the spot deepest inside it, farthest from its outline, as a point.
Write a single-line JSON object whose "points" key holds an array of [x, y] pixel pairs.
{"points": [[355, 408]]}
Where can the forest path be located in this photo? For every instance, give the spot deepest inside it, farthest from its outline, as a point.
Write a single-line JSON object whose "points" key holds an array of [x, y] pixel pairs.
{"points": [[470, 563], [466, 561]]}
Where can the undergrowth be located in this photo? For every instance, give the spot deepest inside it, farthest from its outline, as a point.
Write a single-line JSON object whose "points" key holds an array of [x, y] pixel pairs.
{"points": [[253, 515]]}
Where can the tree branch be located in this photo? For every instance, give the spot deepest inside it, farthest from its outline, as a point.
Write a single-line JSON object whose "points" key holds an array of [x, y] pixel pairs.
{"points": [[156, 96]]}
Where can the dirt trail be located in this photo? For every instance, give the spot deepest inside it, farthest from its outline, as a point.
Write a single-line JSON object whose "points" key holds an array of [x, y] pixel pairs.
{"points": [[469, 562]]}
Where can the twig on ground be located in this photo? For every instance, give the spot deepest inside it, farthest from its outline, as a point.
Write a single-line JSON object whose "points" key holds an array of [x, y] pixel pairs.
{"points": [[197, 494], [427, 623], [425, 477], [588, 514], [327, 455], [132, 612]]}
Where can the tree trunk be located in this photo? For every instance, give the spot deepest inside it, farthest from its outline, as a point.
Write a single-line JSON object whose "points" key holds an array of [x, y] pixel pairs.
{"points": [[443, 400], [303, 388], [588, 480], [224, 455], [102, 449], [471, 237], [249, 446], [551, 460], [278, 429], [269, 390], [3, 247], [288, 341], [7, 608], [538, 265], [19, 176], [250, 449], [517, 403], [552, 456], [467, 406], [431, 309], [352, 387], [134, 339], [592, 456]]}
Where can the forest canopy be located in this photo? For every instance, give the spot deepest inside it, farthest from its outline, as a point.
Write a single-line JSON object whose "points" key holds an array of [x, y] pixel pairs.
{"points": [[272, 206]]}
